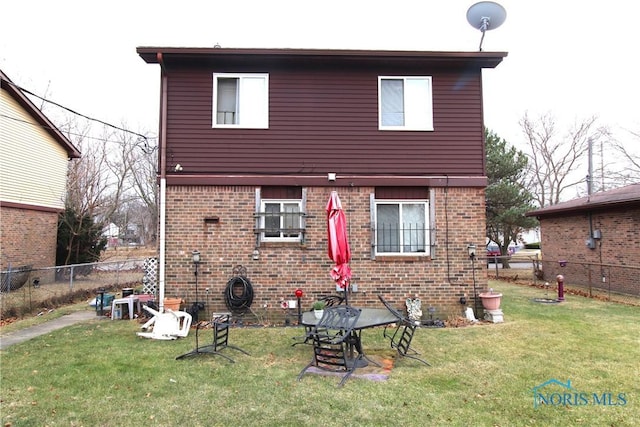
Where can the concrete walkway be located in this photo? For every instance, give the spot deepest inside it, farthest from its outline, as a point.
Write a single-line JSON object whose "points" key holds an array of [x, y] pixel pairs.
{"points": [[25, 334]]}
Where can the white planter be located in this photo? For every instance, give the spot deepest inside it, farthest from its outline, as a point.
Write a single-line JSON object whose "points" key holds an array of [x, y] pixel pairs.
{"points": [[318, 314]]}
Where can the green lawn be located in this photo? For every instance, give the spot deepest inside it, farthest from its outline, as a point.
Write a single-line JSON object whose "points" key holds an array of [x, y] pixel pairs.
{"points": [[101, 374]]}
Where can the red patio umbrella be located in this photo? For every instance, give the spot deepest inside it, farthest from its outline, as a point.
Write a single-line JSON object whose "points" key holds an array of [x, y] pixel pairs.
{"points": [[338, 245]]}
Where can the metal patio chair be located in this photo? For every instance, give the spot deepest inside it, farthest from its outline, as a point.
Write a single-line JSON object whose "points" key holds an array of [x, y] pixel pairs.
{"points": [[330, 342], [403, 334], [220, 323], [329, 301]]}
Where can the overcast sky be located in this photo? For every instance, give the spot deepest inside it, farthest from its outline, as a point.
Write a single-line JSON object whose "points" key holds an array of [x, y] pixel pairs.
{"points": [[573, 59]]}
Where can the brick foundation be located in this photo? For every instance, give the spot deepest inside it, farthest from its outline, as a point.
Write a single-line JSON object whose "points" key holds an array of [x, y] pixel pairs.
{"points": [[282, 267]]}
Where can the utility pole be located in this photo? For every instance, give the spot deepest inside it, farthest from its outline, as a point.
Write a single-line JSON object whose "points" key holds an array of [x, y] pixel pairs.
{"points": [[590, 173]]}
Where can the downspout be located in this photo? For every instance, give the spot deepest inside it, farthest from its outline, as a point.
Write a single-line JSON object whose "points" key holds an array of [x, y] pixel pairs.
{"points": [[591, 243], [163, 179]]}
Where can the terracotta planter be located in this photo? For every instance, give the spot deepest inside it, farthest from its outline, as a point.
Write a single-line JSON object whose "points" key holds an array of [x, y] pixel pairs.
{"points": [[490, 301], [172, 304]]}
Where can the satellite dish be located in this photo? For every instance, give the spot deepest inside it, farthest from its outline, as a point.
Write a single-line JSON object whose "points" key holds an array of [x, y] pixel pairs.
{"points": [[485, 16]]}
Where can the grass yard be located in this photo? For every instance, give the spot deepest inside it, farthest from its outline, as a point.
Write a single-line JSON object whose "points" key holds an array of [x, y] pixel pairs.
{"points": [[101, 374]]}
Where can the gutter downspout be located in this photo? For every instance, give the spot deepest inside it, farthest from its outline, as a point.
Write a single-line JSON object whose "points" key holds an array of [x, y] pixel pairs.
{"points": [[163, 179]]}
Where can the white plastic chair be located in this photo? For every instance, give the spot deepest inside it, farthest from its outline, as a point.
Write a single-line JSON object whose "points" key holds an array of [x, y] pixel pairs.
{"points": [[169, 325]]}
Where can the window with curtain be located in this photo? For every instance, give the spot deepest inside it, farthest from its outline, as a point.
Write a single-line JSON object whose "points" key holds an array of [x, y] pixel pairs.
{"points": [[241, 100], [405, 103], [401, 227]]}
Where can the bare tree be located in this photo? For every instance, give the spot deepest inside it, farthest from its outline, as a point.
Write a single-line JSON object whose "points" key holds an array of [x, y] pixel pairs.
{"points": [[117, 146], [144, 160], [115, 178], [629, 171], [87, 194], [554, 158], [88, 179]]}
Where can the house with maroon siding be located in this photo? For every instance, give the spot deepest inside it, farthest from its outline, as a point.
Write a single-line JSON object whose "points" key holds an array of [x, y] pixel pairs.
{"points": [[594, 241], [253, 142]]}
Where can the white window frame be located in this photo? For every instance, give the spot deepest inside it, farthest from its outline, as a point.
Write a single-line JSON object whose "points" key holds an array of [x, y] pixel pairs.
{"points": [[402, 235], [253, 107], [282, 234], [417, 107]]}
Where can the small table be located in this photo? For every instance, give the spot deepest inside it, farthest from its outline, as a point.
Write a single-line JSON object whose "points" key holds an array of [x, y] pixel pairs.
{"points": [[369, 318], [129, 301]]}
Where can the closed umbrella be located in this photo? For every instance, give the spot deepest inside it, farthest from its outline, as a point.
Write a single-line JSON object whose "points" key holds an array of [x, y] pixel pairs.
{"points": [[338, 246]]}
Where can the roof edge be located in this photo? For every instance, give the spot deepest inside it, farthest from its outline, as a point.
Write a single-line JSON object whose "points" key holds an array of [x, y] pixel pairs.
{"points": [[16, 93], [621, 197], [488, 59]]}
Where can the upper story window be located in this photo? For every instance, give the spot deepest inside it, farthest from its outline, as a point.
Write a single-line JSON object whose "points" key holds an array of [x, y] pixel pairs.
{"points": [[281, 216], [241, 100], [405, 103], [401, 221]]}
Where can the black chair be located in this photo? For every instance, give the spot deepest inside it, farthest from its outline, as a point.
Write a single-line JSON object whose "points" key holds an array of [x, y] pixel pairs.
{"points": [[220, 323], [403, 333], [329, 301], [330, 342]]}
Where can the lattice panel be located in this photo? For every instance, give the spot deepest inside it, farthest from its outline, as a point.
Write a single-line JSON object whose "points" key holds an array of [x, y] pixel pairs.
{"points": [[150, 279]]}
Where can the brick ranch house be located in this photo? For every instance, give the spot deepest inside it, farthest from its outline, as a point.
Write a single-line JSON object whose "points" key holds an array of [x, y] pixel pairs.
{"points": [[34, 157], [253, 141], [599, 238]]}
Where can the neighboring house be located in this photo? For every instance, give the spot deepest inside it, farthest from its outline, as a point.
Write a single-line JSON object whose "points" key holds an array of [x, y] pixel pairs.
{"points": [[34, 156], [597, 237], [253, 141], [112, 233]]}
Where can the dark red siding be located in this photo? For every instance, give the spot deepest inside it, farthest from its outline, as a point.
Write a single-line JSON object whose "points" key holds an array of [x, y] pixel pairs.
{"points": [[323, 119], [326, 120]]}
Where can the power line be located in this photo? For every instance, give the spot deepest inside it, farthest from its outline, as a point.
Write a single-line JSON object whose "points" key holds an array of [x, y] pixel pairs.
{"points": [[147, 149], [146, 142]]}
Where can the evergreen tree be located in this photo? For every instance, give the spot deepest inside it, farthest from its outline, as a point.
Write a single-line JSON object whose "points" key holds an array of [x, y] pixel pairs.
{"points": [[80, 239], [507, 200]]}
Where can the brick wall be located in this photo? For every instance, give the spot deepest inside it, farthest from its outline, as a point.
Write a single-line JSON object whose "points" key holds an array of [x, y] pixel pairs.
{"points": [[616, 256], [283, 267], [27, 237]]}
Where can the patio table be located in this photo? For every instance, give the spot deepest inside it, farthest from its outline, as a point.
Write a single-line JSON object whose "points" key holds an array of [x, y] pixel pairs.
{"points": [[369, 318], [129, 301]]}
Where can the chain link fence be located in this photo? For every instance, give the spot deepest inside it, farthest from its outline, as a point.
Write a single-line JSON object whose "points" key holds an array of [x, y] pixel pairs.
{"points": [[611, 282], [30, 290], [608, 282]]}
